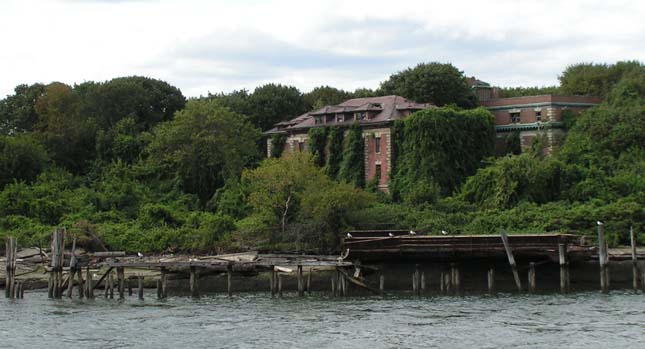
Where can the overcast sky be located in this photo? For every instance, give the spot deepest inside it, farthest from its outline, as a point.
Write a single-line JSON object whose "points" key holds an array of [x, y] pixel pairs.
{"points": [[209, 45]]}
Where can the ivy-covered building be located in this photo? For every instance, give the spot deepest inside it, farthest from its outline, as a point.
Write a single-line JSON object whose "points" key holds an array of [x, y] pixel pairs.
{"points": [[519, 122], [375, 116]]}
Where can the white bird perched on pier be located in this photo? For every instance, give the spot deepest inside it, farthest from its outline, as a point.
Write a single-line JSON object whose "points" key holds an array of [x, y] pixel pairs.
{"points": [[390, 235], [349, 235], [412, 232], [443, 232], [599, 223], [139, 254]]}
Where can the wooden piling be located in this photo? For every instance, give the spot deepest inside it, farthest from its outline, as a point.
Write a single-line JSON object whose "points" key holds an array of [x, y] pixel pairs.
{"points": [[107, 283], [531, 278], [441, 283], [11, 251], [140, 289], [111, 285], [447, 278], [414, 281], [272, 281], [300, 281], [120, 275], [280, 285], [564, 270], [89, 282], [334, 278], [129, 282], [423, 282], [164, 283], [634, 259], [229, 278], [57, 248], [381, 284], [309, 281], [511, 259], [602, 259], [491, 281], [194, 283]]}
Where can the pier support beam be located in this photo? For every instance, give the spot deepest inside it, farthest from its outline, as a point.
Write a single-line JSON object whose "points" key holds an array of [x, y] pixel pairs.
{"points": [[164, 283], [491, 281], [140, 289], [634, 259], [229, 279], [531, 278], [511, 259], [381, 284], [194, 282], [300, 281], [564, 268], [602, 259], [120, 275], [272, 280], [89, 283], [280, 285]]}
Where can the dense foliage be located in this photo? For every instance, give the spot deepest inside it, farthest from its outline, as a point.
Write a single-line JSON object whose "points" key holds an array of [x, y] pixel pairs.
{"points": [[440, 148], [128, 164], [437, 83]]}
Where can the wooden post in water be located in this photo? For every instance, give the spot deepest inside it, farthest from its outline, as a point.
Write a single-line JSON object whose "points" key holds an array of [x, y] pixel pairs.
{"points": [[301, 283], [447, 278], [89, 283], [415, 286], [457, 280], [441, 283], [159, 292], [309, 281], [381, 284], [491, 281], [11, 246], [423, 282], [129, 282], [634, 259], [107, 283], [564, 270], [229, 278], [72, 270], [280, 285], [164, 283], [334, 278], [194, 282], [531, 278], [111, 284], [602, 259], [120, 275], [272, 280], [140, 289], [511, 259], [57, 248]]}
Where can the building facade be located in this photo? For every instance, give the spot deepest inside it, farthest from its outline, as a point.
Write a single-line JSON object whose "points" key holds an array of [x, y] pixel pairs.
{"points": [[523, 117]]}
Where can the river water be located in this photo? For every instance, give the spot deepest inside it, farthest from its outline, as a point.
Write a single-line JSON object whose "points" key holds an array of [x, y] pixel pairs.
{"points": [[580, 320]]}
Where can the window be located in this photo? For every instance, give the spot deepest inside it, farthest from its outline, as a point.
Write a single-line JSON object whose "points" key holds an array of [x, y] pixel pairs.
{"points": [[360, 115], [301, 146], [318, 120], [329, 118], [377, 173], [341, 117], [515, 118], [538, 115], [377, 145]]}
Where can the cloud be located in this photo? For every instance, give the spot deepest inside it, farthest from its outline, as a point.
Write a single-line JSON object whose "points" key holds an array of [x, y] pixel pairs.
{"points": [[204, 45]]}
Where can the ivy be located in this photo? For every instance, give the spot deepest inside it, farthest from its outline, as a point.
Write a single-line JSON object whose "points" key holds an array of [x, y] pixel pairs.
{"points": [[277, 145], [352, 169], [440, 148], [317, 141], [334, 152], [513, 143]]}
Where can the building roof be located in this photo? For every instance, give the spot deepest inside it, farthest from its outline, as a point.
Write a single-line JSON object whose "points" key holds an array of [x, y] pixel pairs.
{"points": [[382, 109]]}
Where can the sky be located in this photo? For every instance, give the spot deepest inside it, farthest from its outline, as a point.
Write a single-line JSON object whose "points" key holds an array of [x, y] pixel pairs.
{"points": [[204, 46]]}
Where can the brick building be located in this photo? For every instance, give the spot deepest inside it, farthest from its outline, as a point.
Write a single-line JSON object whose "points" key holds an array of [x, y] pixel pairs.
{"points": [[526, 117], [531, 116], [374, 114]]}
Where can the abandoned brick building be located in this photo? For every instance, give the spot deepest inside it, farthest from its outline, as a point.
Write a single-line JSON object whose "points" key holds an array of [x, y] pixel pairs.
{"points": [[526, 117]]}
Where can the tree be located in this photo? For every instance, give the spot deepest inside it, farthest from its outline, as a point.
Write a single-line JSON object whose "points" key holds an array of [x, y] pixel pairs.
{"points": [[17, 112], [22, 158], [203, 146], [272, 103], [317, 142], [68, 136], [352, 169], [436, 83], [325, 95], [595, 79]]}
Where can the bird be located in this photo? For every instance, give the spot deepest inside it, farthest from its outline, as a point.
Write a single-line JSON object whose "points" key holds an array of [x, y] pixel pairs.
{"points": [[349, 235], [599, 223], [412, 232], [390, 235], [139, 254], [443, 232]]}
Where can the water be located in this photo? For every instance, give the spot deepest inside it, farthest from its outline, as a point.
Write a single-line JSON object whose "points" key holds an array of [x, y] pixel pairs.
{"points": [[582, 320]]}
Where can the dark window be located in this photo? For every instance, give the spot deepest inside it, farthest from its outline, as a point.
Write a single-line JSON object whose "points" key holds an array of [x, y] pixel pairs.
{"points": [[515, 117], [360, 115], [341, 118], [318, 119], [377, 144], [377, 173], [538, 115], [301, 146]]}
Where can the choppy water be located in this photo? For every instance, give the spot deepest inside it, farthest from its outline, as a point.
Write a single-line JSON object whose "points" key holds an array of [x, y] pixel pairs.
{"points": [[583, 320]]}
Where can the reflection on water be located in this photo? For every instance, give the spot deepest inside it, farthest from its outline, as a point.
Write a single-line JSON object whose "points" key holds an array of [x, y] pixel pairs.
{"points": [[582, 320]]}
